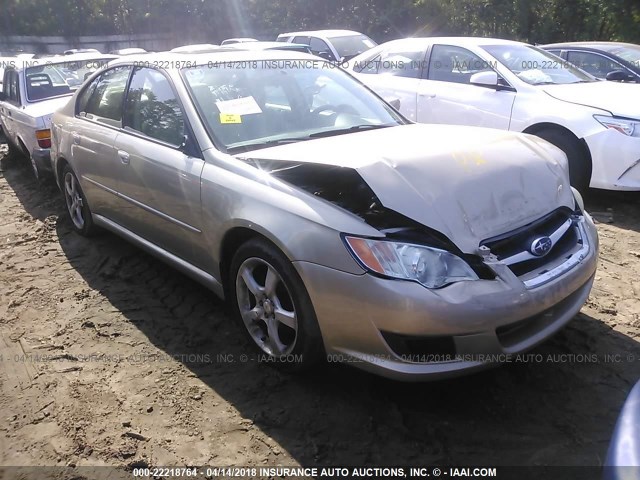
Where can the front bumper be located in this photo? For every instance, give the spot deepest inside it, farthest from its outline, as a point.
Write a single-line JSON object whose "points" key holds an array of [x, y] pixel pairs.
{"points": [[615, 159], [42, 157], [482, 319]]}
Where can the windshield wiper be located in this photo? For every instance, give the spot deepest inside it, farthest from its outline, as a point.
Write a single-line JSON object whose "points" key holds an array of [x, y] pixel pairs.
{"points": [[355, 128], [268, 143]]}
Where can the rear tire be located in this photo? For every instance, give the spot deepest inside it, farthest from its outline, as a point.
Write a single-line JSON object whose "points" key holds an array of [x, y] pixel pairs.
{"points": [[77, 205], [579, 163], [14, 151], [36, 170], [270, 301]]}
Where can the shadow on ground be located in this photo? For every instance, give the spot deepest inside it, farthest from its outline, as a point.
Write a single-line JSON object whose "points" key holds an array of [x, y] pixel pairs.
{"points": [[559, 412]]}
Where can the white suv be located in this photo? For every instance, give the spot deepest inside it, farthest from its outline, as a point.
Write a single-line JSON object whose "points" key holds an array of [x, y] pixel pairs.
{"points": [[514, 86], [332, 45]]}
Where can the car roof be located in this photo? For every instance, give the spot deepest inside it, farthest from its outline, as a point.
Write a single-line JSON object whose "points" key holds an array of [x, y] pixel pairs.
{"points": [[194, 47], [467, 41], [588, 44], [220, 55], [240, 39], [128, 51], [61, 59], [322, 33], [266, 45]]}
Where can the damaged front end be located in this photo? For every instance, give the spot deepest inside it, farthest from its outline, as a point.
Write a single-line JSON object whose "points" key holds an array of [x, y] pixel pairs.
{"points": [[345, 188]]}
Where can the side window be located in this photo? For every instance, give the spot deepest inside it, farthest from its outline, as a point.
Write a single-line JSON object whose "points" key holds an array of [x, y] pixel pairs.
{"points": [[105, 102], [303, 40], [318, 46], [402, 62], [4, 83], [555, 52], [152, 107], [454, 64], [592, 63], [11, 85], [83, 97], [16, 88]]}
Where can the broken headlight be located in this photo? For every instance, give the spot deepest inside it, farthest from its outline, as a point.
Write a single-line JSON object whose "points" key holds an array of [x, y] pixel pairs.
{"points": [[431, 267]]}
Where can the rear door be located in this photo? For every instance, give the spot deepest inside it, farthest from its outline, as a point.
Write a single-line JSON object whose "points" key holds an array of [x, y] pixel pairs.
{"points": [[98, 119], [447, 96], [160, 167]]}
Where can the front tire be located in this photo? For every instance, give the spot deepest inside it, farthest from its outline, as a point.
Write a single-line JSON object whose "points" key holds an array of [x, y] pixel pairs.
{"points": [[269, 299], [579, 163], [77, 205]]}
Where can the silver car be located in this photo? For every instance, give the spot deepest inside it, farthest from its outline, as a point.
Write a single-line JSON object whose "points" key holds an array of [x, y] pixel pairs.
{"points": [[335, 228]]}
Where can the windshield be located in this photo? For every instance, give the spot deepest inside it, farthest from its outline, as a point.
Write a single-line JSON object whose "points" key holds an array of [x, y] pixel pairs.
{"points": [[58, 79], [536, 66], [630, 53], [352, 45], [282, 101]]}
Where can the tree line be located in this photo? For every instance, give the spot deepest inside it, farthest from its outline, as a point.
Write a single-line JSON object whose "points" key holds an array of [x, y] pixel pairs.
{"points": [[534, 21]]}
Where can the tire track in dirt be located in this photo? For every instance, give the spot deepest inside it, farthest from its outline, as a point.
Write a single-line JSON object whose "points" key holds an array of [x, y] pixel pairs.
{"points": [[135, 371]]}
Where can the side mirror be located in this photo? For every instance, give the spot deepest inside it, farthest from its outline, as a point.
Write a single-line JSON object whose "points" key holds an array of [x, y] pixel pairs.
{"points": [[394, 102], [618, 76], [326, 56], [485, 79]]}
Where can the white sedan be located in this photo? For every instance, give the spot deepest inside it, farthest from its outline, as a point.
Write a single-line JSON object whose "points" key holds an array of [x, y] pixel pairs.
{"points": [[514, 86]]}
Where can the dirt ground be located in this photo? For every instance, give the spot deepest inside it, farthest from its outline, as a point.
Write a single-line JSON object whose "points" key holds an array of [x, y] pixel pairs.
{"points": [[111, 358]]}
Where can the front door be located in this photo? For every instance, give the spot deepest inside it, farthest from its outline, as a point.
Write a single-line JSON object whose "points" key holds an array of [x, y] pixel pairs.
{"points": [[158, 180], [446, 95]]}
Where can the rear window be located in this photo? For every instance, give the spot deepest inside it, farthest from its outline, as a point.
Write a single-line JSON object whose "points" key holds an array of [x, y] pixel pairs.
{"points": [[58, 79]]}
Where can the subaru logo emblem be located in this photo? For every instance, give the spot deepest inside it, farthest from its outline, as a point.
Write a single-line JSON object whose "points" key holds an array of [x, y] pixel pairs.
{"points": [[541, 246]]}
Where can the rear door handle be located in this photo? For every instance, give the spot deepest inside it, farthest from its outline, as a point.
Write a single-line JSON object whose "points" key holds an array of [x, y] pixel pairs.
{"points": [[76, 138], [124, 157], [428, 95]]}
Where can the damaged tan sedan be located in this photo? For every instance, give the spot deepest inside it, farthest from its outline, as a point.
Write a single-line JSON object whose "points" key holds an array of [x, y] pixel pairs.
{"points": [[334, 227]]}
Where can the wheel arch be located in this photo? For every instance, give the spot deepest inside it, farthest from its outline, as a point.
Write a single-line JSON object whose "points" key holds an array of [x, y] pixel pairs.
{"points": [[232, 240], [60, 163], [538, 127], [23, 146]]}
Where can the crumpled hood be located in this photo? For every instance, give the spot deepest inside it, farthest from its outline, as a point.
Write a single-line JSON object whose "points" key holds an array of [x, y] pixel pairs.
{"points": [[468, 183], [621, 99]]}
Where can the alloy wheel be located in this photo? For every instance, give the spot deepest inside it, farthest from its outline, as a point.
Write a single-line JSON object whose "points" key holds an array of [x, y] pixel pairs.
{"points": [[74, 200], [266, 307]]}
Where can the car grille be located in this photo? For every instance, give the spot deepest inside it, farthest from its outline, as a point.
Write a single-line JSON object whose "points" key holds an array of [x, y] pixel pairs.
{"points": [[516, 249]]}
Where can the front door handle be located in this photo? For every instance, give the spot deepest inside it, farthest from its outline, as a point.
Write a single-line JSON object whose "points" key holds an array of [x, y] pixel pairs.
{"points": [[124, 157], [427, 95], [76, 138]]}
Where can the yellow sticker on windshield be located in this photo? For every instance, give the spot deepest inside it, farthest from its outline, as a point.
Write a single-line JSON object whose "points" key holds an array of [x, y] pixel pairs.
{"points": [[230, 118]]}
